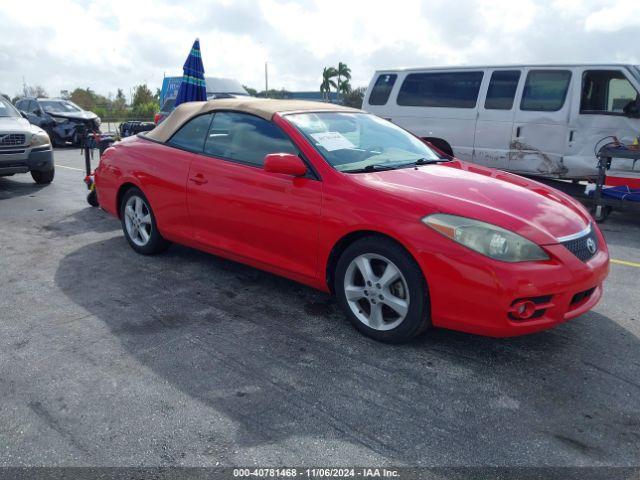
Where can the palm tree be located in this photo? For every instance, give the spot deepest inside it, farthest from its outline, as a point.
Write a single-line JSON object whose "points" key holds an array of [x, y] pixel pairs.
{"points": [[343, 71], [325, 87], [344, 88]]}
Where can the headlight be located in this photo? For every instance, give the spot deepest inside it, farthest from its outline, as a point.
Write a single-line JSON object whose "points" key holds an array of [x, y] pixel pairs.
{"points": [[40, 138], [60, 119], [490, 240]]}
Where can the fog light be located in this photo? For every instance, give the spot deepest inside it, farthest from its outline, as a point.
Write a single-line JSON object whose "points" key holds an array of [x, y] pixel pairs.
{"points": [[523, 309]]}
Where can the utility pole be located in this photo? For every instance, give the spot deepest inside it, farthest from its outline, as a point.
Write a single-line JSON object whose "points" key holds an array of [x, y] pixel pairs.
{"points": [[266, 78]]}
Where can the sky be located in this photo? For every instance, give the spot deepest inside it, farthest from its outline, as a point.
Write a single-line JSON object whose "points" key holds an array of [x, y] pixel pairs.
{"points": [[111, 44]]}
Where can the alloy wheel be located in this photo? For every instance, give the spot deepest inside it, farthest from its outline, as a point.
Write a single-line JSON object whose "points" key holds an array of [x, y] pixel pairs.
{"points": [[376, 291], [137, 220]]}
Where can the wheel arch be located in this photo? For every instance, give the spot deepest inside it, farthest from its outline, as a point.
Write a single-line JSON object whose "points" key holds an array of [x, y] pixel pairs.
{"points": [[349, 238], [121, 191]]}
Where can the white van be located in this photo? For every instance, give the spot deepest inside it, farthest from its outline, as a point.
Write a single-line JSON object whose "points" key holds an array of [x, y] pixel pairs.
{"points": [[537, 120]]}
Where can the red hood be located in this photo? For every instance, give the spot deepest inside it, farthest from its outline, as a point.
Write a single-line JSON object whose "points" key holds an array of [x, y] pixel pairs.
{"points": [[529, 208]]}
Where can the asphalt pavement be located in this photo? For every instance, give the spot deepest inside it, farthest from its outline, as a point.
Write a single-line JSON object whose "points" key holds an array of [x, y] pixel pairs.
{"points": [[111, 358]]}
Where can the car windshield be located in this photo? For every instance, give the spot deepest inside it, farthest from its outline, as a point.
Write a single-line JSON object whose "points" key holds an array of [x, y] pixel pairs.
{"points": [[6, 109], [59, 106], [354, 142]]}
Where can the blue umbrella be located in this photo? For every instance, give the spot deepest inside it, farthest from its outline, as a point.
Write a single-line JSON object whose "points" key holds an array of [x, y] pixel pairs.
{"points": [[193, 87]]}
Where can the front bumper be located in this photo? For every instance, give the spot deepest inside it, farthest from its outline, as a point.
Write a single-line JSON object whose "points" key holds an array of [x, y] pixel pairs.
{"points": [[24, 160], [474, 294]]}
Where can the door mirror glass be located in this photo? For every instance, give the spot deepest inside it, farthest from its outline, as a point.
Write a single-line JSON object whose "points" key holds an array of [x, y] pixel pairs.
{"points": [[632, 109], [285, 163]]}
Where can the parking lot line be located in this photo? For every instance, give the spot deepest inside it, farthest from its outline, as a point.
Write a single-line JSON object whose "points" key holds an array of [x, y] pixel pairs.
{"points": [[70, 168], [624, 262]]}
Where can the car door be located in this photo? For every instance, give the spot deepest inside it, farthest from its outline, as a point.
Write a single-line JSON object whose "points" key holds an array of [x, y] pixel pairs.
{"points": [[541, 130], [34, 114], [236, 206], [494, 128]]}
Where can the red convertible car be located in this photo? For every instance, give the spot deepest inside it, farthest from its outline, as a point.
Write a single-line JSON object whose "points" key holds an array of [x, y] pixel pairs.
{"points": [[406, 237]]}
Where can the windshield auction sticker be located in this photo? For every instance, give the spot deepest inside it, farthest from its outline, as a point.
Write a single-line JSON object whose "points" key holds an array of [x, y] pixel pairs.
{"points": [[331, 141]]}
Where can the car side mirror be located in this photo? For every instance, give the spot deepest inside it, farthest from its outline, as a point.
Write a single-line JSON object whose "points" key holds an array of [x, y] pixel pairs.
{"points": [[285, 163], [632, 109], [39, 113]]}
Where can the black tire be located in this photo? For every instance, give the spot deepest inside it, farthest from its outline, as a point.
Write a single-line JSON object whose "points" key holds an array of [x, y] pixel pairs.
{"points": [[43, 177], [92, 198], [418, 316], [601, 212], [155, 243]]}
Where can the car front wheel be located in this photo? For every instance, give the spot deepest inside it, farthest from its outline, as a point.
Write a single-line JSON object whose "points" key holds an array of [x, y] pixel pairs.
{"points": [[382, 290], [139, 224], [43, 177]]}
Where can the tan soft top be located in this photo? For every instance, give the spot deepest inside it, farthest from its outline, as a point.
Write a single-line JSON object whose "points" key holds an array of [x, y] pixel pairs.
{"points": [[262, 107]]}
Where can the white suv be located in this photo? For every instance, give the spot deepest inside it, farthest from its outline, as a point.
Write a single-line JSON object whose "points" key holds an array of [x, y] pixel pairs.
{"points": [[23, 147]]}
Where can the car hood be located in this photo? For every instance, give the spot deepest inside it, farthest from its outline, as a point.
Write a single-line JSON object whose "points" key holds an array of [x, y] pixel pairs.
{"points": [[529, 208], [14, 124], [83, 115]]}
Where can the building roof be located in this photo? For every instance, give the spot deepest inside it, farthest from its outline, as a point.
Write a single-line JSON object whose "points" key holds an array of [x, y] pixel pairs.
{"points": [[262, 107]]}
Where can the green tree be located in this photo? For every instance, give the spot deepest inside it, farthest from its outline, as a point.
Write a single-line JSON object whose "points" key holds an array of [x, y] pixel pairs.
{"points": [[353, 98], [251, 91], [141, 95], [343, 71], [328, 73], [144, 103]]}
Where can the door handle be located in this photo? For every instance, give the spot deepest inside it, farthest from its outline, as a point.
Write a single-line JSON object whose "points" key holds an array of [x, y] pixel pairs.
{"points": [[198, 179], [518, 131]]}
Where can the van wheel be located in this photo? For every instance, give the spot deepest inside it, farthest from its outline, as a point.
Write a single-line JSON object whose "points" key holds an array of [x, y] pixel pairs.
{"points": [[601, 212], [441, 145], [139, 224], [382, 290]]}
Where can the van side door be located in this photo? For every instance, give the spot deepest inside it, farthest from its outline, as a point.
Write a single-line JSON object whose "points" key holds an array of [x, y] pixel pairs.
{"points": [[541, 130], [440, 106], [496, 111]]}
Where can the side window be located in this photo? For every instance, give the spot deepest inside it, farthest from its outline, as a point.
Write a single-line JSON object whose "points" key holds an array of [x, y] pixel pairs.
{"points": [[606, 91], [245, 138], [502, 90], [19, 105], [193, 134], [382, 89], [545, 90], [440, 89], [32, 107]]}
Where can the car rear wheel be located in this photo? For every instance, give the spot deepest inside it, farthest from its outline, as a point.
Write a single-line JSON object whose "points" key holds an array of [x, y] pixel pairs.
{"points": [[382, 290], [43, 177], [139, 224]]}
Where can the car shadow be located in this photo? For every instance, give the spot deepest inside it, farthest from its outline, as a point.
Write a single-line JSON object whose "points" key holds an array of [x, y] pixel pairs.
{"points": [[281, 362], [10, 188], [89, 219]]}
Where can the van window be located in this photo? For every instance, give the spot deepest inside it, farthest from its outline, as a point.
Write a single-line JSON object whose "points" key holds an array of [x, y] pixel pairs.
{"points": [[545, 90], [441, 89], [382, 89], [606, 91], [502, 90]]}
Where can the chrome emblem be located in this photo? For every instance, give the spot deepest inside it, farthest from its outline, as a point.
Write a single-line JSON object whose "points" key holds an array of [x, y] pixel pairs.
{"points": [[591, 246]]}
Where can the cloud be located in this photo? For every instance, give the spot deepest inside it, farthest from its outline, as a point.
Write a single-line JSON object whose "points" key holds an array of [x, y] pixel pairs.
{"points": [[110, 44]]}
